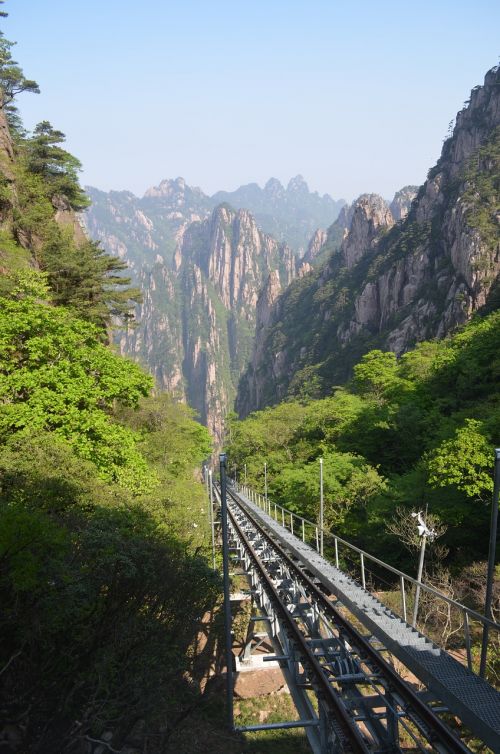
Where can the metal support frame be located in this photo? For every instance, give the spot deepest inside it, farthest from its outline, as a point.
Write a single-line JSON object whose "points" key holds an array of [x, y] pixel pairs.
{"points": [[345, 669], [227, 596]]}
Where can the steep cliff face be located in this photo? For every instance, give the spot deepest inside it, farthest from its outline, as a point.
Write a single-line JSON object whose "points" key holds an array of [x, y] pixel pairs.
{"points": [[201, 271], [370, 217], [391, 284], [197, 320], [400, 205]]}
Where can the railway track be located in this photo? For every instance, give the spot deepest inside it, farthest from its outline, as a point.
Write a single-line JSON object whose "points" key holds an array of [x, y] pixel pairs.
{"points": [[362, 704]]}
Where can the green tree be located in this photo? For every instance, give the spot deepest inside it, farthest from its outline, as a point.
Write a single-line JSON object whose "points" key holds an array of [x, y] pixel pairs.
{"points": [[55, 375], [12, 79], [465, 460], [86, 279], [59, 169]]}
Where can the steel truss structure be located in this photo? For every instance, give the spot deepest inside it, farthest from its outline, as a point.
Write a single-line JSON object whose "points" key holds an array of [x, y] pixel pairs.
{"points": [[348, 697]]}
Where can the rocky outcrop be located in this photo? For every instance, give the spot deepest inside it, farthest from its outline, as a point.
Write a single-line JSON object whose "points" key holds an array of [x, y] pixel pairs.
{"points": [[390, 285], [6, 146], [400, 205], [370, 216], [315, 246]]}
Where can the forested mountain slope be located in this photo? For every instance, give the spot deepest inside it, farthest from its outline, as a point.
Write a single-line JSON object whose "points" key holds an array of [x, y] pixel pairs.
{"points": [[392, 284], [408, 434]]}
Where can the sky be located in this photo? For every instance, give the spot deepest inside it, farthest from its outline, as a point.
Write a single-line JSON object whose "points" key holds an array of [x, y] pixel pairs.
{"points": [[356, 96]]}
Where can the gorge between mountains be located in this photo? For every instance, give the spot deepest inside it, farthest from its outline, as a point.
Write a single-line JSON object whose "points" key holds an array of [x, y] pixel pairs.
{"points": [[257, 295]]}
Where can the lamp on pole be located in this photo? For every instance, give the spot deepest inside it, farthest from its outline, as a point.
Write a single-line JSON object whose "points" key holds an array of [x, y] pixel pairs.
{"points": [[490, 576], [321, 506], [265, 485], [426, 534]]}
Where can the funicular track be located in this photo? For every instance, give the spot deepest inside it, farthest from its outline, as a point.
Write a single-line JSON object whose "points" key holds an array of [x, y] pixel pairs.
{"points": [[363, 705]]}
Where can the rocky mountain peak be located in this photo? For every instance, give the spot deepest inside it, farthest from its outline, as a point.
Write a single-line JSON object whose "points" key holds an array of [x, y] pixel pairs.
{"points": [[370, 216], [401, 203], [274, 188], [297, 185]]}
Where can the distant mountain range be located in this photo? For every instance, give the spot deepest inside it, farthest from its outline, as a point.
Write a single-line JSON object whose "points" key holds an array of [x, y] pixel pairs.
{"points": [[155, 221], [201, 262], [266, 293]]}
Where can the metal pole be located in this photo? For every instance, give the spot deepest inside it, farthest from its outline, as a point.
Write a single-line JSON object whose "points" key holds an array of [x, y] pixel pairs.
{"points": [[245, 475], [321, 506], [419, 579], [212, 524], [265, 484], [227, 603], [490, 577]]}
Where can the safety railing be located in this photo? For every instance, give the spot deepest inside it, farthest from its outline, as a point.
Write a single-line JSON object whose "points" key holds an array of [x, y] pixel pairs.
{"points": [[457, 618]]}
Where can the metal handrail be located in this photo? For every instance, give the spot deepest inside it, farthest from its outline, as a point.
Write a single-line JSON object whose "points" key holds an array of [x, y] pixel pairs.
{"points": [[463, 608]]}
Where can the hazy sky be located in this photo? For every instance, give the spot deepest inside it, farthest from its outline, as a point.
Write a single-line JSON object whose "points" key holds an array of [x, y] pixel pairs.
{"points": [[356, 96]]}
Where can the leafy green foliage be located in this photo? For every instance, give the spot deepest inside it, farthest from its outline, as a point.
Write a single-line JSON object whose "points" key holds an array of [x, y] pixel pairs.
{"points": [[405, 433], [55, 375], [101, 601], [103, 577]]}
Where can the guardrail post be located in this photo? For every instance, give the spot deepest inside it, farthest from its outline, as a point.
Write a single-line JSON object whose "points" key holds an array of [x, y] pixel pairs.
{"points": [[227, 602], [403, 596], [363, 580], [491, 562], [467, 639]]}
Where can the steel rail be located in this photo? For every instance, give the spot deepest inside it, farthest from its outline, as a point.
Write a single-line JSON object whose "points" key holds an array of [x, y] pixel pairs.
{"points": [[439, 731], [350, 736]]}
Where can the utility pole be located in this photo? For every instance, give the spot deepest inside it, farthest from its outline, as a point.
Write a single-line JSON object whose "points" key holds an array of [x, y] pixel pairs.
{"points": [[321, 507], [265, 486], [212, 524], [490, 576], [425, 533], [227, 601]]}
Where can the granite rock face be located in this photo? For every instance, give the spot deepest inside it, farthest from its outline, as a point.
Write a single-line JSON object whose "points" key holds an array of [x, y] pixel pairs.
{"points": [[400, 205], [197, 320], [201, 266], [402, 274]]}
